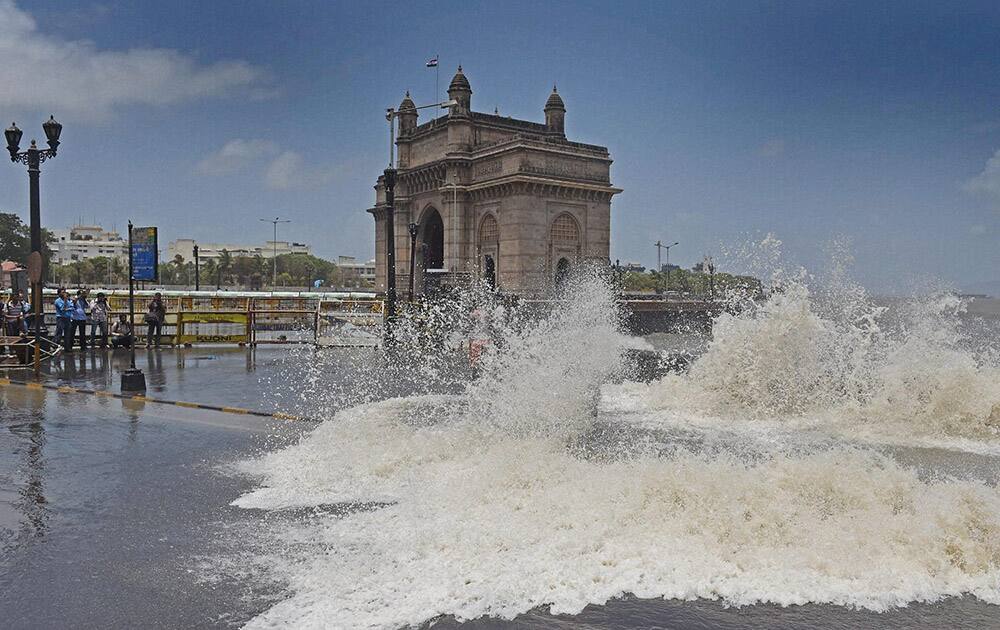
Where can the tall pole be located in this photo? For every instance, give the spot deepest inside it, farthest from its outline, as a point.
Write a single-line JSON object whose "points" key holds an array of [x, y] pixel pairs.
{"points": [[131, 300], [668, 269], [197, 270], [413, 255], [390, 229], [274, 249], [390, 251], [133, 380], [33, 158], [667, 247], [34, 170]]}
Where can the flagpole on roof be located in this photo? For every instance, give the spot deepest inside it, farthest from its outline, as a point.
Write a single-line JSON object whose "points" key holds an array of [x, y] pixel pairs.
{"points": [[437, 89]]}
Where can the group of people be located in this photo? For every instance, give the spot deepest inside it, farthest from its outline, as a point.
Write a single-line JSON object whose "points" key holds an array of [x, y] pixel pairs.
{"points": [[73, 314]]}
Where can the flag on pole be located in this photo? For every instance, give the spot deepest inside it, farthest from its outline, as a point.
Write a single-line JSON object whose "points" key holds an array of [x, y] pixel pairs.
{"points": [[432, 63]]}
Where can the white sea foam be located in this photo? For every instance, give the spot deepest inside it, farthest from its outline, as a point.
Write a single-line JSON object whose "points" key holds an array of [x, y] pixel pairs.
{"points": [[501, 499], [910, 381]]}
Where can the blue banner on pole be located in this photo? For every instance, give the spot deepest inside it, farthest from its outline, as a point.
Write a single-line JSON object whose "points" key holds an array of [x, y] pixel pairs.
{"points": [[144, 254]]}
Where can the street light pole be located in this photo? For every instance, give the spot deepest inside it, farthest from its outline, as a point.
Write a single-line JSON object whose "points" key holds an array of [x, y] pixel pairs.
{"points": [[33, 158], [133, 380], [413, 254], [667, 247], [274, 243], [197, 270], [389, 180]]}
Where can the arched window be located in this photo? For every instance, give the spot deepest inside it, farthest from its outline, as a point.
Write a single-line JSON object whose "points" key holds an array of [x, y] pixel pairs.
{"points": [[564, 230], [489, 231]]}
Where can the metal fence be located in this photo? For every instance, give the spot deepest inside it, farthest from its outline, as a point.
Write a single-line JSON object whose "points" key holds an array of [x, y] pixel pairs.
{"points": [[251, 319]]}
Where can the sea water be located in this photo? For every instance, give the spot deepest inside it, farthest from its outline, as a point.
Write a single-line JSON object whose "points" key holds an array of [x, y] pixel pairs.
{"points": [[823, 449]]}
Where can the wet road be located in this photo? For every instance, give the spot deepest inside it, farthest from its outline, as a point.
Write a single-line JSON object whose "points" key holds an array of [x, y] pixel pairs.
{"points": [[107, 505]]}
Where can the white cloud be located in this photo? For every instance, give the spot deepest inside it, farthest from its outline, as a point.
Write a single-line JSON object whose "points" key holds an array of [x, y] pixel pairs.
{"points": [[76, 79], [235, 156], [289, 170], [988, 182], [978, 230]]}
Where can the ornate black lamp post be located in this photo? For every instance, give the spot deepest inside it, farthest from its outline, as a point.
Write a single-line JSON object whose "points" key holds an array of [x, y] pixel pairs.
{"points": [[33, 158], [390, 249], [413, 254]]}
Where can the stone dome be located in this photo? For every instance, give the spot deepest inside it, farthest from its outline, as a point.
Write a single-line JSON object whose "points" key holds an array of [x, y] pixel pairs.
{"points": [[555, 101], [459, 82]]}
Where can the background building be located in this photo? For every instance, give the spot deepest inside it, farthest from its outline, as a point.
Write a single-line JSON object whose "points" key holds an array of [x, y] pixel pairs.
{"points": [[510, 201], [185, 247], [355, 274], [82, 242]]}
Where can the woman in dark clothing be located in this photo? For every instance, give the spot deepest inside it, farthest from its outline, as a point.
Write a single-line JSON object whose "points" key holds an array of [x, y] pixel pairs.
{"points": [[155, 315]]}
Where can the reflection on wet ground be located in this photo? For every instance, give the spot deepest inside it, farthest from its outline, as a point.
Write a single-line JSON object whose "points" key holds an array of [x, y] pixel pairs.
{"points": [[106, 504]]}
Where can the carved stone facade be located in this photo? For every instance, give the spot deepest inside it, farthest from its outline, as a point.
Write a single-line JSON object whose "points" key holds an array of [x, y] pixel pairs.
{"points": [[509, 201]]}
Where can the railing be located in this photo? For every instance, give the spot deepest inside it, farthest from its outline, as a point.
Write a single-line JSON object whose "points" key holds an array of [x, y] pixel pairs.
{"points": [[194, 319]]}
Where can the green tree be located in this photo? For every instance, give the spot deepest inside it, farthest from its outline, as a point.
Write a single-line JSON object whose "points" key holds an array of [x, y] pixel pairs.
{"points": [[224, 264], [15, 239], [304, 269]]}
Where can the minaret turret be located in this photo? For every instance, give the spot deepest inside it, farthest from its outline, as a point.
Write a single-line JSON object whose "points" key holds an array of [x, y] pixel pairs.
{"points": [[555, 114], [460, 91], [407, 116]]}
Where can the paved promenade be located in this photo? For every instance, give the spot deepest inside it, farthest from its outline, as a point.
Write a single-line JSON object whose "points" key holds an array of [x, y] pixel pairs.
{"points": [[106, 505]]}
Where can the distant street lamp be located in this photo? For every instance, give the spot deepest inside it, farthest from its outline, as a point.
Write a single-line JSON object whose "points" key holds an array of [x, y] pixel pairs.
{"points": [[33, 158], [274, 258], [710, 266], [197, 270], [659, 268], [413, 254]]}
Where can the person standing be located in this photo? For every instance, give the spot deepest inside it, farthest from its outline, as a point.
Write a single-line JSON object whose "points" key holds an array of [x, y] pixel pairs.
{"points": [[79, 315], [155, 315], [99, 320], [64, 318], [25, 310], [13, 315]]}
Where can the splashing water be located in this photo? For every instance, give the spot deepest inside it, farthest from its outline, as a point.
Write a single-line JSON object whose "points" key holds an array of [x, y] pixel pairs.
{"points": [[497, 496], [853, 371]]}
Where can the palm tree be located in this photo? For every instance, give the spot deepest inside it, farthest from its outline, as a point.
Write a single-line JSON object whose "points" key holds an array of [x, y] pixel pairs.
{"points": [[209, 269], [178, 263], [118, 270], [225, 264]]}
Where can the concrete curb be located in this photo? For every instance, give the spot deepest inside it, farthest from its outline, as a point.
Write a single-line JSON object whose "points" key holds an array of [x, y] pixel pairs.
{"points": [[64, 389]]}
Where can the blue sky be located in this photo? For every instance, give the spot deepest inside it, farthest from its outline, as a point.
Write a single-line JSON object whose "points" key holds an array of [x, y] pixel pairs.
{"points": [[874, 123]]}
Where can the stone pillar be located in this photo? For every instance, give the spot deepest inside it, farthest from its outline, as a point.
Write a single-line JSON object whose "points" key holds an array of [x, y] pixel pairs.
{"points": [[379, 216], [455, 228]]}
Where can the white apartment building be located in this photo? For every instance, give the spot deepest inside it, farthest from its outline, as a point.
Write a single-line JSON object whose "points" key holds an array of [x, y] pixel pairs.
{"points": [[356, 274], [82, 242], [206, 251]]}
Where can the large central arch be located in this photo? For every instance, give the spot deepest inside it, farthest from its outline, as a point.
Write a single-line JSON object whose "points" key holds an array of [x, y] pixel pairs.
{"points": [[430, 245], [431, 239]]}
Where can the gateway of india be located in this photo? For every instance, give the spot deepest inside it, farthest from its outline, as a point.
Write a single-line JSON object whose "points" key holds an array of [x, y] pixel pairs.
{"points": [[510, 202]]}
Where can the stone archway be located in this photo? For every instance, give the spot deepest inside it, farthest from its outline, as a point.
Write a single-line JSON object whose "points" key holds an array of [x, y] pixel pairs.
{"points": [[564, 247], [430, 245], [489, 250], [489, 271], [562, 271]]}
